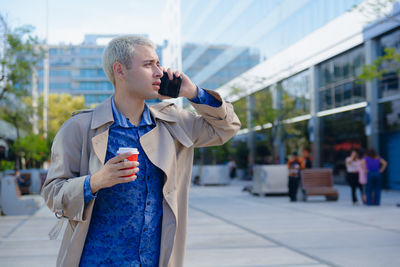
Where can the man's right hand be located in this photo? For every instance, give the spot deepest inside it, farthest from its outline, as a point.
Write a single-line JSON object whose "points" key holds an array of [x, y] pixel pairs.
{"points": [[113, 173]]}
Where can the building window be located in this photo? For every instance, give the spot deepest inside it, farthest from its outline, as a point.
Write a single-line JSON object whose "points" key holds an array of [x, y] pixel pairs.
{"points": [[92, 73], [390, 83], [296, 92], [96, 86], [95, 99], [338, 84]]}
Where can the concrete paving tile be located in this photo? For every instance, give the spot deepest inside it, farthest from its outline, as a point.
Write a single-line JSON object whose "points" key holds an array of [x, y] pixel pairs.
{"points": [[335, 239], [29, 248], [8, 224], [245, 257], [386, 256], [218, 228], [31, 261], [207, 241], [36, 227]]}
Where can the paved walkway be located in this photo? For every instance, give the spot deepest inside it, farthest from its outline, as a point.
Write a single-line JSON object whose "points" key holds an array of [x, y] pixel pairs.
{"points": [[228, 227]]}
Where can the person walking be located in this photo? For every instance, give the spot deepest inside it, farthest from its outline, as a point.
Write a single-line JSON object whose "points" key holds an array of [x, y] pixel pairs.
{"points": [[295, 165], [118, 214], [232, 168], [373, 165], [362, 176], [352, 173]]}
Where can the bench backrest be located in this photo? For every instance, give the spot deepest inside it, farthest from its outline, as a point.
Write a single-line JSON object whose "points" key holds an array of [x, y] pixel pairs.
{"points": [[316, 177]]}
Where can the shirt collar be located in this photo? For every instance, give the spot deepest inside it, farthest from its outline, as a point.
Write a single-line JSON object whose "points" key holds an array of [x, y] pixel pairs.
{"points": [[121, 120]]}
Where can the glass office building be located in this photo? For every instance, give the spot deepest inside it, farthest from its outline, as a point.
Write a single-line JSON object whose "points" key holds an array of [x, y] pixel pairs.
{"points": [[338, 111], [77, 69]]}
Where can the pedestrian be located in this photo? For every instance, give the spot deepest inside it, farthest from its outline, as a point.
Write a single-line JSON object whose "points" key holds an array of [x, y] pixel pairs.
{"points": [[232, 168], [131, 213], [23, 183], [362, 177], [352, 175], [373, 165], [295, 165]]}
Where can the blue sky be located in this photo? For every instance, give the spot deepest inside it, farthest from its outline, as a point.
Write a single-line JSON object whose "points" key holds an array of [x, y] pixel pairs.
{"points": [[70, 20]]}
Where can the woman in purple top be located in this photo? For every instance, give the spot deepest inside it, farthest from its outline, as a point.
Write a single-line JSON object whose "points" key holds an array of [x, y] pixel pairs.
{"points": [[374, 166]]}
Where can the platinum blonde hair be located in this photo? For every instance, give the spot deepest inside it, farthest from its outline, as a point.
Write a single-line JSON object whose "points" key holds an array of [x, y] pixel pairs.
{"points": [[122, 49]]}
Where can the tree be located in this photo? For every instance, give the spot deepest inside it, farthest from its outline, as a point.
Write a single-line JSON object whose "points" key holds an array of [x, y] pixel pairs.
{"points": [[388, 63], [377, 9], [60, 108], [33, 148], [20, 55]]}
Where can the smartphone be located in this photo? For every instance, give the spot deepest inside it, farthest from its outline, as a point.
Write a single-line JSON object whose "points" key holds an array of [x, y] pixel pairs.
{"points": [[169, 87]]}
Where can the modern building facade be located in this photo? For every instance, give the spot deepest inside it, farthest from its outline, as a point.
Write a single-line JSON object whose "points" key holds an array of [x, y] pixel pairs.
{"points": [[332, 110], [77, 69], [244, 61]]}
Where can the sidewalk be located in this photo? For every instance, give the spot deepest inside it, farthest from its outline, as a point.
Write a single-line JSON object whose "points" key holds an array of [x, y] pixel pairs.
{"points": [[228, 227]]}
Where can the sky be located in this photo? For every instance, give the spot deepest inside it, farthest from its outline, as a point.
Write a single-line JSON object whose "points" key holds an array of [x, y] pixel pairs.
{"points": [[70, 20]]}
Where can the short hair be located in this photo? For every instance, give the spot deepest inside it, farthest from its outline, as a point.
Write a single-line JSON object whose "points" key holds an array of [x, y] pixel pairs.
{"points": [[122, 49]]}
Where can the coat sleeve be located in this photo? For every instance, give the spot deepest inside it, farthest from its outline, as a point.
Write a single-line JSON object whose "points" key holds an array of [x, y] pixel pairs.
{"points": [[64, 185], [213, 126]]}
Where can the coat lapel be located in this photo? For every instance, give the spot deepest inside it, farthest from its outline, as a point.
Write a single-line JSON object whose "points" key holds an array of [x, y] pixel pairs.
{"points": [[102, 119]]}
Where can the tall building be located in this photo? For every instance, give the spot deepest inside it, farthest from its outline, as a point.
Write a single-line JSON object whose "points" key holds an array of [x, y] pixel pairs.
{"points": [[77, 69], [247, 59], [333, 112]]}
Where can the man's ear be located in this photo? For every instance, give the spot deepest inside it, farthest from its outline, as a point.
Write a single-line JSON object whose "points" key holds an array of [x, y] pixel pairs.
{"points": [[119, 70]]}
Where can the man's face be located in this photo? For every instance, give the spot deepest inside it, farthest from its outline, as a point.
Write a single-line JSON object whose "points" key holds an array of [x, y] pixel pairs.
{"points": [[143, 78]]}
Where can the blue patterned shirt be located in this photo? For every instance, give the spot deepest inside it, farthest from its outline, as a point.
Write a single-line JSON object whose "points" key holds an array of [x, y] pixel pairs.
{"points": [[125, 229]]}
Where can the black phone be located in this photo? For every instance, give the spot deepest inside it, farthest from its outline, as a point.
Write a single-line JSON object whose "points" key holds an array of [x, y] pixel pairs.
{"points": [[170, 87]]}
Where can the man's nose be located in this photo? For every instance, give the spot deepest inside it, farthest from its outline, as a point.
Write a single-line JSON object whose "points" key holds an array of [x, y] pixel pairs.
{"points": [[158, 72]]}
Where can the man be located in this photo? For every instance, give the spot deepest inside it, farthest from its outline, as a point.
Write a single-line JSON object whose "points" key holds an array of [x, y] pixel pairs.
{"points": [[118, 214], [22, 182], [232, 168], [295, 164]]}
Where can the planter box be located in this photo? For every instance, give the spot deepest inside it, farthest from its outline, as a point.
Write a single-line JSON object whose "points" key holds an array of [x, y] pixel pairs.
{"points": [[270, 179], [210, 175]]}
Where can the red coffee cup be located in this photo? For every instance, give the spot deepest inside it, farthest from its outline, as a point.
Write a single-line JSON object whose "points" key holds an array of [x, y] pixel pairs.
{"points": [[133, 157]]}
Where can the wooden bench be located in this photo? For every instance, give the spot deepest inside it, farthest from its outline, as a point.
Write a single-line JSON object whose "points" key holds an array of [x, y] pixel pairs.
{"points": [[318, 182]]}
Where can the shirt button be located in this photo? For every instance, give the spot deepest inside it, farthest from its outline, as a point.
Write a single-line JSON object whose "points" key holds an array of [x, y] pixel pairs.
{"points": [[144, 229], [148, 203]]}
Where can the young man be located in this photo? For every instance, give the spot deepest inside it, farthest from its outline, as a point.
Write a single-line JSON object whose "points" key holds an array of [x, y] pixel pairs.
{"points": [[295, 164], [138, 220]]}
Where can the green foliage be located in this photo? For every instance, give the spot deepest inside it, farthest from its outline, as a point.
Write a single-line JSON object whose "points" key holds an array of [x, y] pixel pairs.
{"points": [[22, 53], [6, 165], [34, 148], [388, 63], [60, 108], [240, 110], [240, 152]]}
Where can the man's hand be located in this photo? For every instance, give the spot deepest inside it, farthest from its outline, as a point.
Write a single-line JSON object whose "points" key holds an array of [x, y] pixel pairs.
{"points": [[188, 88], [114, 172]]}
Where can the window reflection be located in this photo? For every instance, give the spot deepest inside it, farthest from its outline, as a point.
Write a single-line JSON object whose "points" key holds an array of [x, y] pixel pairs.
{"points": [[389, 84], [337, 80], [340, 133], [296, 93]]}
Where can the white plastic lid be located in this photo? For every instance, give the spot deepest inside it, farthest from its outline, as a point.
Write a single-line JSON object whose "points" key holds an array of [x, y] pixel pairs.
{"points": [[123, 150]]}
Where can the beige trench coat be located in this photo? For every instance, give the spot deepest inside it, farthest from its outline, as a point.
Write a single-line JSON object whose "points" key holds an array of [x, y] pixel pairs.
{"points": [[80, 148]]}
